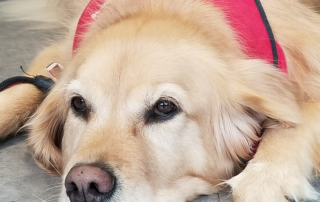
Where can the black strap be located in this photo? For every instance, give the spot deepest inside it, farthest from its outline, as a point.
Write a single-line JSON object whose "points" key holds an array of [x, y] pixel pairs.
{"points": [[269, 31], [41, 82]]}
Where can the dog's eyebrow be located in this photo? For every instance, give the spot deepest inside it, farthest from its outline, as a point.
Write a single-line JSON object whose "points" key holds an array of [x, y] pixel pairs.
{"points": [[72, 88], [174, 91]]}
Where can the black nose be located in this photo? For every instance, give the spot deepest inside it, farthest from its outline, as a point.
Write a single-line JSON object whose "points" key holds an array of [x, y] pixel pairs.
{"points": [[89, 183]]}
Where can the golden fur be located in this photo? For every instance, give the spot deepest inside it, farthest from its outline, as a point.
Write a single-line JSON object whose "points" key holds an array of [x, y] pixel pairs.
{"points": [[138, 52]]}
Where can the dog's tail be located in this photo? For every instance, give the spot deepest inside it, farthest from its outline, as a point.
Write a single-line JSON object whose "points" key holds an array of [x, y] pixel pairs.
{"points": [[45, 14]]}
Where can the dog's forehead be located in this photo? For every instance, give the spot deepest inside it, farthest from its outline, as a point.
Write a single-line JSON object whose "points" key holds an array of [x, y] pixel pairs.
{"points": [[146, 49], [123, 71], [118, 63]]}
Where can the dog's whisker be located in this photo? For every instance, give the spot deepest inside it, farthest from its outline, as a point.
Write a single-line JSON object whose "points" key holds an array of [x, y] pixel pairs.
{"points": [[37, 197], [53, 166], [52, 198], [53, 193], [53, 188]]}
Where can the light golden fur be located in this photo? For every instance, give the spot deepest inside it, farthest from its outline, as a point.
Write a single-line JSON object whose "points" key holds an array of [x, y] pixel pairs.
{"points": [[139, 51]]}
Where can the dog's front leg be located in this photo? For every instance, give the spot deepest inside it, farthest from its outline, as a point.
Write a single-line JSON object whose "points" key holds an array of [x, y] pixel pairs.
{"points": [[16, 105], [20, 101], [283, 163]]}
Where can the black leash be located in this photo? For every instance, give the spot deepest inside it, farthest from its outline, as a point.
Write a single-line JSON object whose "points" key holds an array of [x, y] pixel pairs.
{"points": [[41, 82]]}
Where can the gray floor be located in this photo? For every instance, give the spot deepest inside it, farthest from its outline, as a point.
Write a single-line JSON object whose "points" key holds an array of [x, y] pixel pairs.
{"points": [[20, 179]]}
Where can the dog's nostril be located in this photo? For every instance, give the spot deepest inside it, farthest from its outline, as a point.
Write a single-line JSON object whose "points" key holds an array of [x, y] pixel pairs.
{"points": [[94, 189], [88, 183], [97, 188], [71, 187]]}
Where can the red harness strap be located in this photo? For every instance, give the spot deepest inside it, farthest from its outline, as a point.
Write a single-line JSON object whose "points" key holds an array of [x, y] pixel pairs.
{"points": [[249, 21], [87, 16]]}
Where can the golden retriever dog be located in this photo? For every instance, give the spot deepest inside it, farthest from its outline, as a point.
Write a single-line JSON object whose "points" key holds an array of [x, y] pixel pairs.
{"points": [[161, 101]]}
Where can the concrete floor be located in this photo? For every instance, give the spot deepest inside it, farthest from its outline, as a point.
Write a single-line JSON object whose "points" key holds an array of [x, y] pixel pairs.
{"points": [[20, 179]]}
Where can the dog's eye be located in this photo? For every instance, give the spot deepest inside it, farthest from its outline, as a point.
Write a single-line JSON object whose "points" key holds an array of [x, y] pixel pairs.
{"points": [[79, 106], [163, 110]]}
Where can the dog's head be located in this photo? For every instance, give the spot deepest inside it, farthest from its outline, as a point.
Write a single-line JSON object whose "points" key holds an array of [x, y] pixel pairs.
{"points": [[153, 109]]}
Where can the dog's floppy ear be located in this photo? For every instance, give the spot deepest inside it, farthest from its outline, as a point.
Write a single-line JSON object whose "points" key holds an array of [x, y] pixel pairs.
{"points": [[261, 97], [267, 91], [46, 132]]}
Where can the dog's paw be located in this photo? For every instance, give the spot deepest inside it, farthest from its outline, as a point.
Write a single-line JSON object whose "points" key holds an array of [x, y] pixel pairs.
{"points": [[266, 183], [16, 105]]}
